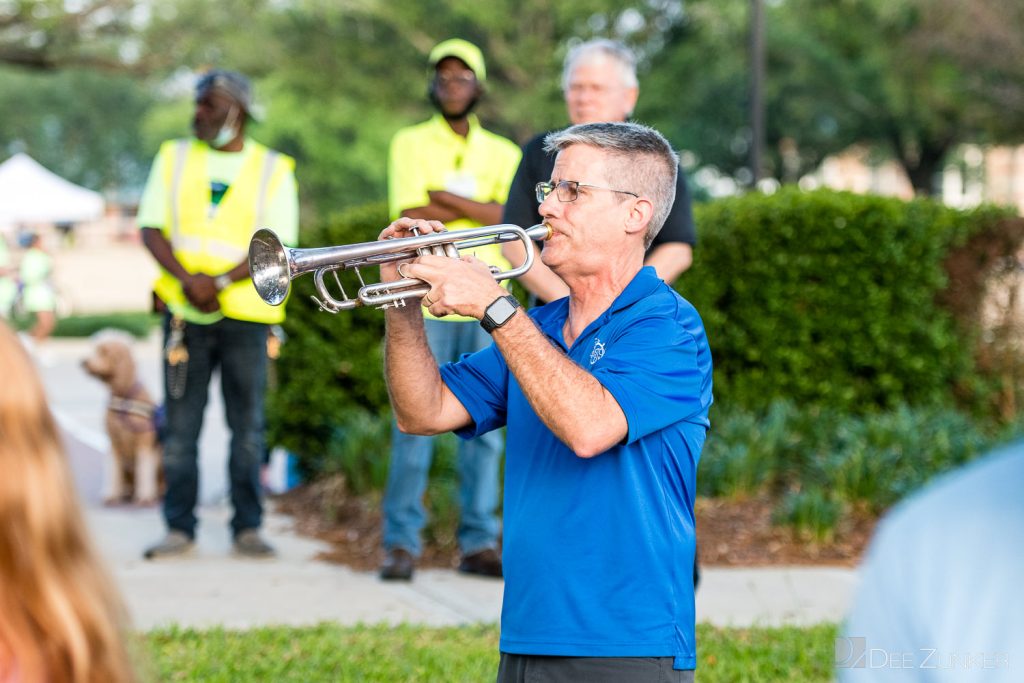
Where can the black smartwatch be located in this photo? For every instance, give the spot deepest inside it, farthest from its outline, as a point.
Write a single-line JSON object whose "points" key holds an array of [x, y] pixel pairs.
{"points": [[499, 312]]}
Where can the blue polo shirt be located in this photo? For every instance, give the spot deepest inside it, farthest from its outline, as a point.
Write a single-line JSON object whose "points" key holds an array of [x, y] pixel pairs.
{"points": [[598, 552]]}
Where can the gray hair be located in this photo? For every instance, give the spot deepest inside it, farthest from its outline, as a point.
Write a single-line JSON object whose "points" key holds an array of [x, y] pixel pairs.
{"points": [[601, 48], [643, 162]]}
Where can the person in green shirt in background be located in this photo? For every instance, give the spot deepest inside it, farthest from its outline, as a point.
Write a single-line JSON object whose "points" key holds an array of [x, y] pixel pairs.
{"points": [[449, 168], [38, 296], [8, 290]]}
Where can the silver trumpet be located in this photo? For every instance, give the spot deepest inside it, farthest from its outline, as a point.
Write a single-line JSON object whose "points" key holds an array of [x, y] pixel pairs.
{"points": [[273, 266]]}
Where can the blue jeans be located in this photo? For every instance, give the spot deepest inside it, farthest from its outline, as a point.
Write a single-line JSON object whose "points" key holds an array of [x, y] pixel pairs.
{"points": [[239, 349], [478, 462]]}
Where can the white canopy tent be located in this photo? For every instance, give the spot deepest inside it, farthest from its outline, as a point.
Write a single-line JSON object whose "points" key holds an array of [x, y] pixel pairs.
{"points": [[29, 193]]}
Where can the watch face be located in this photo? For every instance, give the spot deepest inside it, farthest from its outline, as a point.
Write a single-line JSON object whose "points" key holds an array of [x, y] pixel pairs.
{"points": [[500, 311]]}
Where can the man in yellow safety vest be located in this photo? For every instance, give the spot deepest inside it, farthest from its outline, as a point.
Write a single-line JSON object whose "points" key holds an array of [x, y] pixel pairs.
{"points": [[204, 198]]}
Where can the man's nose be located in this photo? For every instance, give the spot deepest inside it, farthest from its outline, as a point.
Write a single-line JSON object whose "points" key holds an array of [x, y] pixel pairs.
{"points": [[550, 206]]}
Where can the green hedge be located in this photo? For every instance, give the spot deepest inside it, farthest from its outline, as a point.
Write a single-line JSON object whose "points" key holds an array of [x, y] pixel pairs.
{"points": [[330, 399], [138, 324], [834, 299]]}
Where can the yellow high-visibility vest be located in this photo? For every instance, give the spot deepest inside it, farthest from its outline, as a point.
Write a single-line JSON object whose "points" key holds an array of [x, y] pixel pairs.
{"points": [[215, 241]]}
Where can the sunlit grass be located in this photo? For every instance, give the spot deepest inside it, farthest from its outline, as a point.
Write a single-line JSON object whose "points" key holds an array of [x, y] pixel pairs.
{"points": [[329, 652]]}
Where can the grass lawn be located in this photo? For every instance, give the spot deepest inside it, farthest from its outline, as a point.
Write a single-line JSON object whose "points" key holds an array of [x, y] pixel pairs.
{"points": [[378, 653]]}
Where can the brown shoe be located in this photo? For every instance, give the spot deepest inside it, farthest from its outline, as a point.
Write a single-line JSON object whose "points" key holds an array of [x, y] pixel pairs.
{"points": [[398, 565], [174, 544], [248, 543], [486, 562]]}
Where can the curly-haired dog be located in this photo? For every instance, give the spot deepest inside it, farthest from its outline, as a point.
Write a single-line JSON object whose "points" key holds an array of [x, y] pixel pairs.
{"points": [[136, 472]]}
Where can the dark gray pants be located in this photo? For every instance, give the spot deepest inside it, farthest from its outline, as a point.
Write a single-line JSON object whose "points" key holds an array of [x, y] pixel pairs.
{"points": [[239, 350], [538, 669]]}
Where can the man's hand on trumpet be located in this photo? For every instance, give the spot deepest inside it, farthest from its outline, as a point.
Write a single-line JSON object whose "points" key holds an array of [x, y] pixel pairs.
{"points": [[403, 227], [465, 285]]}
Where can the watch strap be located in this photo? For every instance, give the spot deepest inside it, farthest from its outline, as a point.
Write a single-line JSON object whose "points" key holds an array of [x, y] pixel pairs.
{"points": [[491, 320]]}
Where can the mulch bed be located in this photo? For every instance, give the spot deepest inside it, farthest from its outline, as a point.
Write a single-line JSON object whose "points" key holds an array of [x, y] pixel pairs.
{"points": [[740, 533], [736, 533]]}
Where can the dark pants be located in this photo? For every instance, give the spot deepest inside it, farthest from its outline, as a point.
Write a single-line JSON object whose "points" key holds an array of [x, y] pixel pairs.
{"points": [[239, 349], [539, 669]]}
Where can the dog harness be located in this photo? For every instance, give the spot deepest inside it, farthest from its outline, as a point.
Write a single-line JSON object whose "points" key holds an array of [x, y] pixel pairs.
{"points": [[127, 407]]}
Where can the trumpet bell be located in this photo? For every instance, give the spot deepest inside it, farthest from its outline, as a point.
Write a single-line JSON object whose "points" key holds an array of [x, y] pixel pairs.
{"points": [[269, 267]]}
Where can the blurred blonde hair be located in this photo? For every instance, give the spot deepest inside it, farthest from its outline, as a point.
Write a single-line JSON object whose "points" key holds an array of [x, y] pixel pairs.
{"points": [[60, 618]]}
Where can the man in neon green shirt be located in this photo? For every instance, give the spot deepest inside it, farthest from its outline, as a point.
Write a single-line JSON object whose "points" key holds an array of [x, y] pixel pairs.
{"points": [[37, 295], [449, 168], [204, 198]]}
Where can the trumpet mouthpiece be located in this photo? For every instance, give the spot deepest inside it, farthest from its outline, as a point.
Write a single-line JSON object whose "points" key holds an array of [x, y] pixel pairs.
{"points": [[268, 267], [539, 232]]}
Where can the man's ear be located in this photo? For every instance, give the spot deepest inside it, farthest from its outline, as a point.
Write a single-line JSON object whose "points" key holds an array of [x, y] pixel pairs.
{"points": [[639, 216], [631, 96]]}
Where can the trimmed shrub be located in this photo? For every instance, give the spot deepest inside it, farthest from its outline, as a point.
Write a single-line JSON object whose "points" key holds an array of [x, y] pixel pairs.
{"points": [[331, 400], [138, 324], [835, 299]]}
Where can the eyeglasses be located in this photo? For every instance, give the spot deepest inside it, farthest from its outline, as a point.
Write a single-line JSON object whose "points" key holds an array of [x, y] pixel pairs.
{"points": [[569, 190], [447, 80]]}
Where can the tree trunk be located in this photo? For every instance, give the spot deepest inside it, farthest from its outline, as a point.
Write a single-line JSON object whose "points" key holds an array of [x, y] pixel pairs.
{"points": [[922, 162]]}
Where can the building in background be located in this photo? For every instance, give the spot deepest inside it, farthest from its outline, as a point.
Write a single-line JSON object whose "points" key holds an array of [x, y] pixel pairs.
{"points": [[974, 174]]}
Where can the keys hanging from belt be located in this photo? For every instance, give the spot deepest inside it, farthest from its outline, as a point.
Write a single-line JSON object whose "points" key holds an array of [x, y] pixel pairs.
{"points": [[176, 355], [275, 339]]}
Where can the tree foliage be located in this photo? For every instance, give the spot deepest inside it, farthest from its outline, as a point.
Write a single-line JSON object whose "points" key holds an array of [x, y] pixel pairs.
{"points": [[918, 76], [840, 300], [52, 34], [82, 123], [338, 78]]}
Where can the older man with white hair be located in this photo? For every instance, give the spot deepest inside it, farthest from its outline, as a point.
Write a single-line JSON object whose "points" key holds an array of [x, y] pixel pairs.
{"points": [[600, 85]]}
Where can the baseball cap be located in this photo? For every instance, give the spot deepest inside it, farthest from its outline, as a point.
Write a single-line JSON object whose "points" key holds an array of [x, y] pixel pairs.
{"points": [[231, 83], [461, 49]]}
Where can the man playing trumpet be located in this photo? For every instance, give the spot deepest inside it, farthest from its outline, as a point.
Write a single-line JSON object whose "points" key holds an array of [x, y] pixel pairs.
{"points": [[605, 394]]}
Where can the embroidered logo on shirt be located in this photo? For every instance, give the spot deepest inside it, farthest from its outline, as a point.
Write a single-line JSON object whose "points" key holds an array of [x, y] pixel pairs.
{"points": [[597, 352]]}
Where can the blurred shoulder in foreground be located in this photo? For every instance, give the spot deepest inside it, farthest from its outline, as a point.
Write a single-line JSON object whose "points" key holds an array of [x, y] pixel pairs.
{"points": [[940, 596]]}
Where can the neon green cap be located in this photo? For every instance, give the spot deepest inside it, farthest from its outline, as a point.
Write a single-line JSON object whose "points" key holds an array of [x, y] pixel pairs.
{"points": [[461, 49]]}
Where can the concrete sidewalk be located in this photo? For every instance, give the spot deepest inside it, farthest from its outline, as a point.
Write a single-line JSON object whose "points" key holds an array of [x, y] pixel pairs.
{"points": [[213, 588]]}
